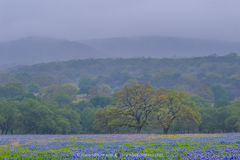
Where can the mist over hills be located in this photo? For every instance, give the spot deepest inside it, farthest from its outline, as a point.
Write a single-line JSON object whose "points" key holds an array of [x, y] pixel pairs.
{"points": [[33, 50]]}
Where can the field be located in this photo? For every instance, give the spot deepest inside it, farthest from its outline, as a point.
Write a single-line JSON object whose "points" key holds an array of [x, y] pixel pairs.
{"points": [[145, 146]]}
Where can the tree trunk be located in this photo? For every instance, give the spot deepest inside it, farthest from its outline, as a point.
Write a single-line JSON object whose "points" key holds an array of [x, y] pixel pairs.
{"points": [[6, 132], [139, 130], [3, 130], [165, 130]]}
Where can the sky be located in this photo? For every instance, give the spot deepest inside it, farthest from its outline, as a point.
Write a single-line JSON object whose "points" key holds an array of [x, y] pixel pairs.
{"points": [[90, 19]]}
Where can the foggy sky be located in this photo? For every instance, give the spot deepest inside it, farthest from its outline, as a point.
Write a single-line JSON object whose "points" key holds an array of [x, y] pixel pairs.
{"points": [[86, 19]]}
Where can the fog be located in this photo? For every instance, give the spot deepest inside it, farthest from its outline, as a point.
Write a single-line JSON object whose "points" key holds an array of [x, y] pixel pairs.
{"points": [[89, 19]]}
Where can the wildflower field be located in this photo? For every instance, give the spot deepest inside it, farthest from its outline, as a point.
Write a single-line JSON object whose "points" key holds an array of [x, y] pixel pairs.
{"points": [[132, 146]]}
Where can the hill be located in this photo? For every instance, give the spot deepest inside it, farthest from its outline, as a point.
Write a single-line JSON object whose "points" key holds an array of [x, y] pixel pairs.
{"points": [[159, 47], [34, 50]]}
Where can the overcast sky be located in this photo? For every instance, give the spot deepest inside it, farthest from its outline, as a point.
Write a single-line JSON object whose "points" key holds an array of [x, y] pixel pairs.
{"points": [[86, 19]]}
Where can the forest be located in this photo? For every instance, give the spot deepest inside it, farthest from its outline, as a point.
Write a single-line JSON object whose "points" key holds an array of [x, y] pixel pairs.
{"points": [[136, 95]]}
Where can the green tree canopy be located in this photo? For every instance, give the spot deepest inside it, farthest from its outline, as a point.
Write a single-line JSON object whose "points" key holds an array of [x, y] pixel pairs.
{"points": [[173, 105], [136, 103]]}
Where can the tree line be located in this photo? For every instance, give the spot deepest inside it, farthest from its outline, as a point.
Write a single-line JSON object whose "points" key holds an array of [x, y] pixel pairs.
{"points": [[138, 108], [196, 75]]}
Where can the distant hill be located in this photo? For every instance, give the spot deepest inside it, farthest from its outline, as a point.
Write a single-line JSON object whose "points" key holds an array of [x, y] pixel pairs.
{"points": [[34, 50], [159, 47]]}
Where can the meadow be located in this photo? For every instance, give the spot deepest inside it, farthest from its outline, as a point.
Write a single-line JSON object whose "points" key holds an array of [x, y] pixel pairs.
{"points": [[132, 146]]}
